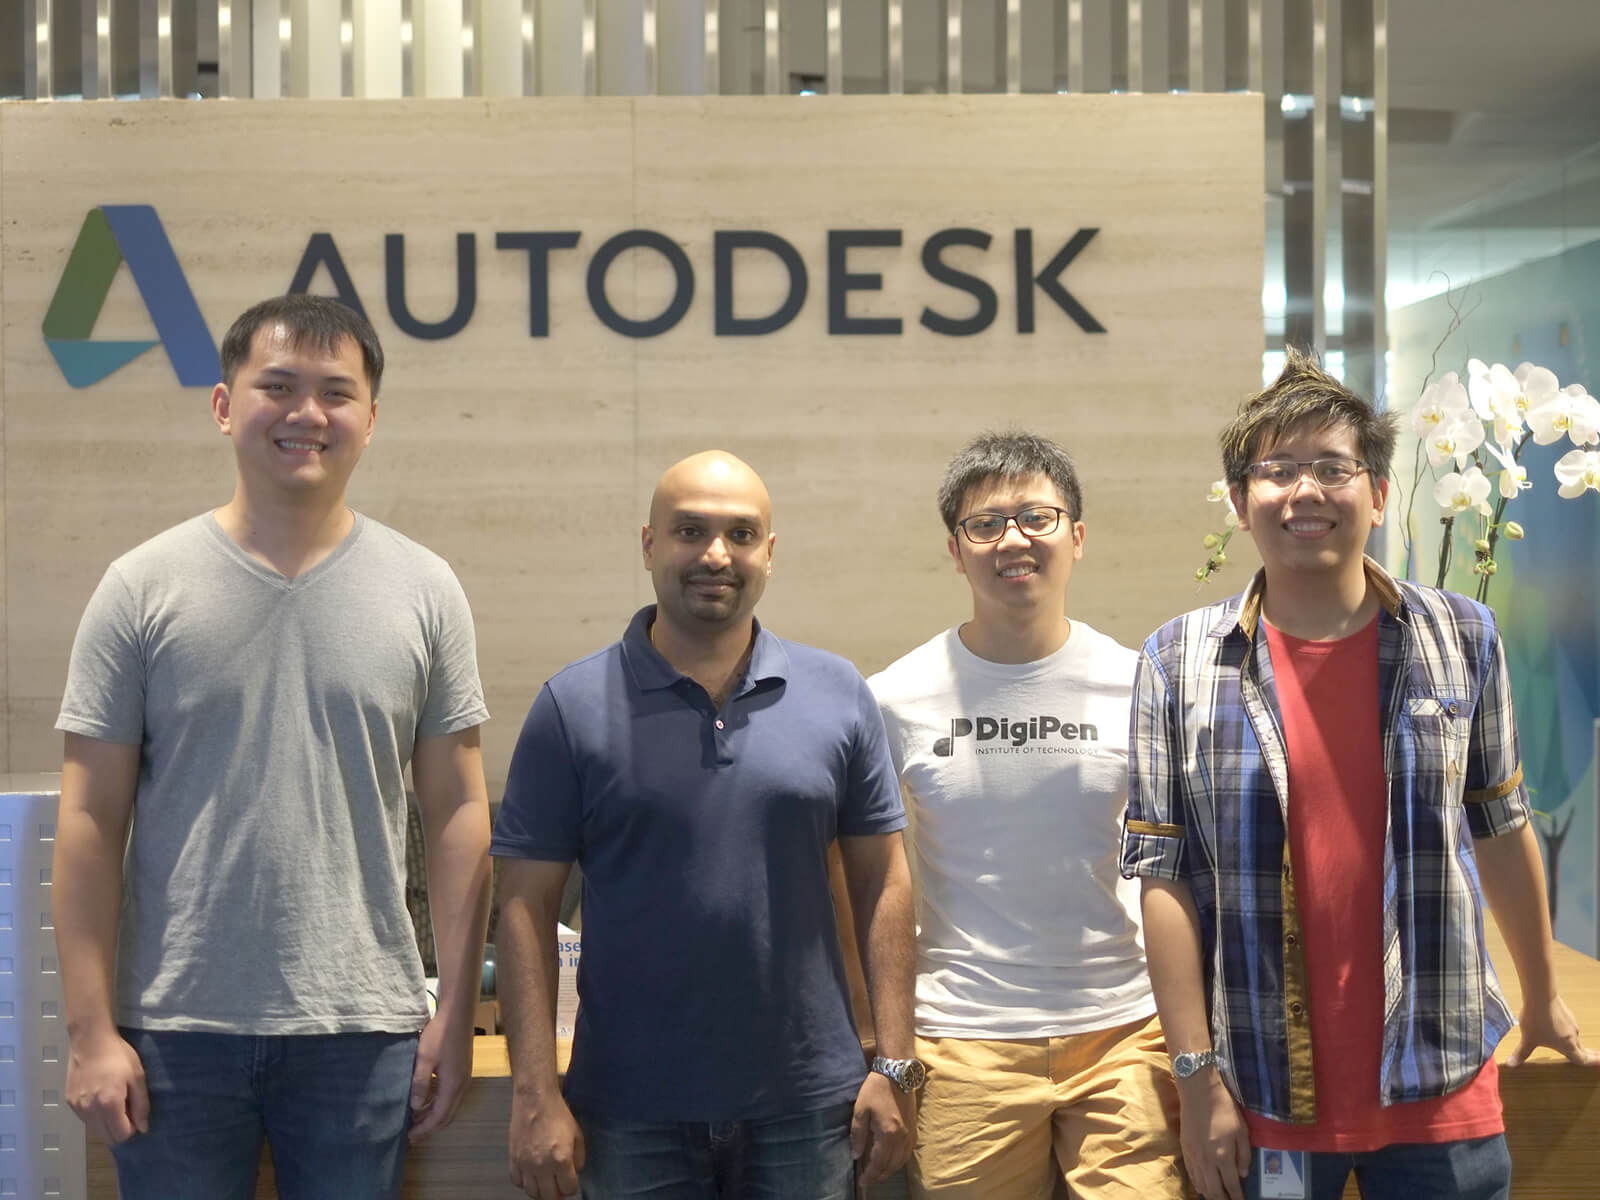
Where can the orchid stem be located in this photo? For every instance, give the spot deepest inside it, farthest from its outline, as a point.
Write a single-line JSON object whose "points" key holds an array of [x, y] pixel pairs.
{"points": [[1449, 524]]}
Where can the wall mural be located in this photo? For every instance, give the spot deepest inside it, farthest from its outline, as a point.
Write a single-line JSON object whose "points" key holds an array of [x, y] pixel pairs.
{"points": [[1544, 590]]}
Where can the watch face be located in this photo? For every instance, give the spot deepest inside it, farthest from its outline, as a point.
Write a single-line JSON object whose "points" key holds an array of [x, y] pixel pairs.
{"points": [[915, 1075], [1191, 1061]]}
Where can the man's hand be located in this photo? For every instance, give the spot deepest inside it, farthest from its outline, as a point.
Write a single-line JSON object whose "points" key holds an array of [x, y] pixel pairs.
{"points": [[1216, 1145], [546, 1148], [106, 1088], [444, 1068], [881, 1129], [1551, 1025]]}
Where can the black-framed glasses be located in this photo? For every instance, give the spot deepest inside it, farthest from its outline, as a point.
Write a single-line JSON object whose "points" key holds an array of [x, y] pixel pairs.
{"points": [[1284, 473], [1038, 521]]}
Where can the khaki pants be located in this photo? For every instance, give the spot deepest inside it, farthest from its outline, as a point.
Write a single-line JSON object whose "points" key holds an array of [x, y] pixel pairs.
{"points": [[1006, 1120]]}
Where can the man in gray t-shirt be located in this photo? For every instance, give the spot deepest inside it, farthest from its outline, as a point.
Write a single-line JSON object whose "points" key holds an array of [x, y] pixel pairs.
{"points": [[245, 693]]}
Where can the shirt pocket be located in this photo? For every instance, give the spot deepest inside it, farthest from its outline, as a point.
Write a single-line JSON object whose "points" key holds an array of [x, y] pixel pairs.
{"points": [[1441, 727]]}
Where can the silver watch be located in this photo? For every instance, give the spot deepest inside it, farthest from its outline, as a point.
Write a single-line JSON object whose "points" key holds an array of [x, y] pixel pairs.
{"points": [[907, 1074], [1192, 1062]]}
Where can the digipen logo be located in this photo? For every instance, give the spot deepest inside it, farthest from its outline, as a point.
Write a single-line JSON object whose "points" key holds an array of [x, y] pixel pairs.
{"points": [[1016, 732], [111, 235], [960, 727]]}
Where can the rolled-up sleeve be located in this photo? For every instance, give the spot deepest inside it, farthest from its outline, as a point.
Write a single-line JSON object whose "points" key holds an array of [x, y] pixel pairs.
{"points": [[1153, 832], [1496, 796]]}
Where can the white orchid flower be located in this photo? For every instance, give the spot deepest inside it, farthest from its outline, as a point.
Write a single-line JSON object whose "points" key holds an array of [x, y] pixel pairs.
{"points": [[1456, 493], [1578, 471], [1569, 412], [1455, 440], [1480, 385], [1538, 385], [1514, 477], [1499, 396], [1218, 492], [1231, 519], [1440, 406]]}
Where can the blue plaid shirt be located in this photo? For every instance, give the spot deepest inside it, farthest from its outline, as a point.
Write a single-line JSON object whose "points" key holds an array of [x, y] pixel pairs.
{"points": [[1208, 797]]}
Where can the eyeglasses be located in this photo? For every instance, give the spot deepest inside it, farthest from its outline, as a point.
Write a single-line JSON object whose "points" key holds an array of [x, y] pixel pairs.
{"points": [[1031, 522], [1284, 473]]}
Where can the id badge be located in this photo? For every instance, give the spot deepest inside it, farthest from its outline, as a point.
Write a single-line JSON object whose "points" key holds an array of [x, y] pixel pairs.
{"points": [[1282, 1174]]}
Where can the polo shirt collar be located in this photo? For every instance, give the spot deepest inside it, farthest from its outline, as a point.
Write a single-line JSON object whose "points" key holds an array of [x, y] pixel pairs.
{"points": [[1243, 612], [652, 672]]}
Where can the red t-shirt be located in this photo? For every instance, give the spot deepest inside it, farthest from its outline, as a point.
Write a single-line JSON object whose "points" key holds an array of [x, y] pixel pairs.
{"points": [[1338, 810]]}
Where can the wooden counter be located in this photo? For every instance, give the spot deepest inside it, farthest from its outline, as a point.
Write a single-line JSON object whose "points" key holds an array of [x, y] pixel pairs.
{"points": [[1552, 1115], [1552, 1107]]}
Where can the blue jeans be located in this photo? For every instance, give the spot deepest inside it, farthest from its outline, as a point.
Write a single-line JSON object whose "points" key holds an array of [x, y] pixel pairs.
{"points": [[1475, 1169], [334, 1109], [805, 1157]]}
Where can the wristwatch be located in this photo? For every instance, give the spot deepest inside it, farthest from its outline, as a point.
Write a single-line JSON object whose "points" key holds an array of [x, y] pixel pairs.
{"points": [[907, 1074], [1192, 1062]]}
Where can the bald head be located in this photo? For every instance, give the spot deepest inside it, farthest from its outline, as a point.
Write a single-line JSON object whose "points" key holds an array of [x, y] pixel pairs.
{"points": [[711, 474], [709, 543]]}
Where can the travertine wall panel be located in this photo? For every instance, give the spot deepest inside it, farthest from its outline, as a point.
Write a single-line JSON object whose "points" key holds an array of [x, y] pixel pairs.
{"points": [[485, 435]]}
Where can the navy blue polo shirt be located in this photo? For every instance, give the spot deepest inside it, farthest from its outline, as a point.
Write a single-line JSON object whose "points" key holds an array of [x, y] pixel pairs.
{"points": [[712, 987]]}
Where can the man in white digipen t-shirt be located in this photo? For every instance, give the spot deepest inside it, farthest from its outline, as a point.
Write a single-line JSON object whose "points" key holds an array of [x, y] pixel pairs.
{"points": [[1010, 732]]}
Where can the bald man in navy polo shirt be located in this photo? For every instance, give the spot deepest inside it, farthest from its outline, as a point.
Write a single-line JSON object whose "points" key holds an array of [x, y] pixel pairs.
{"points": [[698, 770]]}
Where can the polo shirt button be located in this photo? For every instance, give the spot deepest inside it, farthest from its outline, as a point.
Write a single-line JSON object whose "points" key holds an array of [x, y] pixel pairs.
{"points": [[719, 723]]}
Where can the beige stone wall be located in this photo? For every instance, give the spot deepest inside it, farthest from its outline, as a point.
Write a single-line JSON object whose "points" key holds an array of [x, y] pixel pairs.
{"points": [[482, 435]]}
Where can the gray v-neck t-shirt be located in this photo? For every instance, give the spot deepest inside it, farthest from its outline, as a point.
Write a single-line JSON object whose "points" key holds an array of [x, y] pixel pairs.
{"points": [[264, 881]]}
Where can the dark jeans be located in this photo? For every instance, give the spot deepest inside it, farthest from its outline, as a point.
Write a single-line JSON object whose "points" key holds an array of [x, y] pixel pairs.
{"points": [[804, 1157], [1476, 1169], [334, 1109]]}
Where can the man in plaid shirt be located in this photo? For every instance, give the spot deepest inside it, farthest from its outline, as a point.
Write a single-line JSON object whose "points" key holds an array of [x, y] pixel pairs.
{"points": [[1324, 770]]}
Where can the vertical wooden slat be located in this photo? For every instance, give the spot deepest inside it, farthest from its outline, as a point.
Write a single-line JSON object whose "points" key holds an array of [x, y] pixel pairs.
{"points": [[1136, 45], [835, 51], [1014, 47], [591, 48], [529, 32], [895, 16], [650, 35], [37, 81], [770, 27], [1197, 44], [952, 47], [1074, 45]]}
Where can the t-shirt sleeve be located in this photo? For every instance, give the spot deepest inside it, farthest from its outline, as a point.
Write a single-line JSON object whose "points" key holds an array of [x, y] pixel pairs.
{"points": [[541, 815], [872, 801], [1153, 831], [882, 692], [1495, 794], [104, 696], [455, 693]]}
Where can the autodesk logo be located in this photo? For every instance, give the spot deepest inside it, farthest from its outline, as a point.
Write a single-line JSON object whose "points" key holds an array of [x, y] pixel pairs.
{"points": [[111, 235]]}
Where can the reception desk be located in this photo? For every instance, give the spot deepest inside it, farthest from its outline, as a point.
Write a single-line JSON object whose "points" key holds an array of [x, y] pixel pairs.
{"points": [[1552, 1115]]}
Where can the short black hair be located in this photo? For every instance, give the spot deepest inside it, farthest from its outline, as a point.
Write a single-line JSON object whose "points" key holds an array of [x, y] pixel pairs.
{"points": [[318, 321], [1304, 396], [1009, 455]]}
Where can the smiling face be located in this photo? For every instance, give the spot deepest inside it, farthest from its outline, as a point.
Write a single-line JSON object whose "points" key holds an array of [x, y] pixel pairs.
{"points": [[1017, 574], [1305, 527], [709, 544], [299, 415]]}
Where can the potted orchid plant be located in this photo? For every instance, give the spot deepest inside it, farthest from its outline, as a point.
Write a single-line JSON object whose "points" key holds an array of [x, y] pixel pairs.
{"points": [[1478, 430]]}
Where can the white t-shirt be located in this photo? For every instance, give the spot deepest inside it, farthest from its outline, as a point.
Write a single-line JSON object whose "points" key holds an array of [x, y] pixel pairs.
{"points": [[1016, 777]]}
